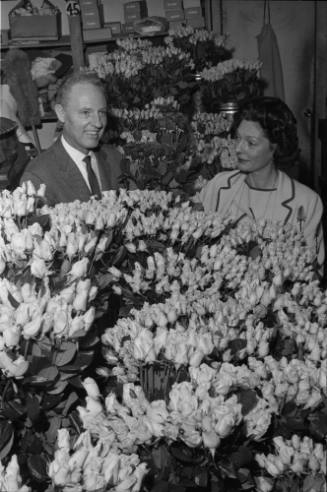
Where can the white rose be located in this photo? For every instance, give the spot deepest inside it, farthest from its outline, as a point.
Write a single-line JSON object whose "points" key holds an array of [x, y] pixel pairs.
{"points": [[79, 269], [60, 322], [196, 358], [38, 268], [13, 368], [93, 407], [18, 243], [32, 328], [225, 425], [77, 327], [182, 399], [264, 484], [91, 388], [157, 414], [143, 348], [11, 336], [111, 467], [80, 301], [88, 318]]}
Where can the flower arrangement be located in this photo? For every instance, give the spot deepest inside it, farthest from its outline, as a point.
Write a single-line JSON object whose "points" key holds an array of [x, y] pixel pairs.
{"points": [[230, 80], [138, 72], [143, 342], [156, 142], [206, 47]]}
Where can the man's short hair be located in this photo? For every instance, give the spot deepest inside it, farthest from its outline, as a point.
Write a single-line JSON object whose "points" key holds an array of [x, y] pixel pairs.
{"points": [[78, 77]]}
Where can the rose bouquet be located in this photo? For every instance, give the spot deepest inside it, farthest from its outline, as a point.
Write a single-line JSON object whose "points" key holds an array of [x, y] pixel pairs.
{"points": [[157, 143], [206, 47], [138, 72], [230, 80]]}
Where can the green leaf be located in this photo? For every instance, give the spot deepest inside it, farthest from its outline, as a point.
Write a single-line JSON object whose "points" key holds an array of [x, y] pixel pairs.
{"points": [[82, 361], [242, 457], [49, 373], [65, 354], [13, 301], [59, 388], [12, 410], [89, 340], [6, 438], [72, 398], [237, 344], [32, 407], [51, 400], [51, 433], [248, 399], [314, 483], [318, 425], [38, 467]]}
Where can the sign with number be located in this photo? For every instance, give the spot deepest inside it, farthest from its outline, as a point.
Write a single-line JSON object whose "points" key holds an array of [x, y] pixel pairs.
{"points": [[72, 7]]}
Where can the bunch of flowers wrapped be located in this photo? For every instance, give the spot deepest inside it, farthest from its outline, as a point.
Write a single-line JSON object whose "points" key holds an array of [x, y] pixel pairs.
{"points": [[162, 343], [138, 72], [89, 466], [10, 477], [156, 141], [230, 80], [214, 147], [207, 48]]}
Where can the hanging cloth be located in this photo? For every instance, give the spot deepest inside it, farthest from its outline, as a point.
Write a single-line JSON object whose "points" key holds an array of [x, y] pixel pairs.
{"points": [[269, 55]]}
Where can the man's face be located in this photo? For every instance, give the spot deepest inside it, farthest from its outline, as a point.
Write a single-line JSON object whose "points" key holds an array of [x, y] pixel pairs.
{"points": [[84, 116]]}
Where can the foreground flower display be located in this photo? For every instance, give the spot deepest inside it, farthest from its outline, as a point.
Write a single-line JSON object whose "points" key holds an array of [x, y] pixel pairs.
{"points": [[144, 344]]}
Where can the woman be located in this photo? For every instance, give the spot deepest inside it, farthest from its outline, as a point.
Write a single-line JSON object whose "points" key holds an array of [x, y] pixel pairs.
{"points": [[266, 136]]}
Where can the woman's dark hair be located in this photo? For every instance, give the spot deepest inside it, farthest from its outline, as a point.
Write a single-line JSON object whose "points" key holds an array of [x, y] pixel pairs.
{"points": [[277, 121], [77, 77]]}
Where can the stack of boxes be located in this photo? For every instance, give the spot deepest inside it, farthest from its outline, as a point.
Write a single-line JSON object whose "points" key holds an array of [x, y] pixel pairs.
{"points": [[181, 12], [193, 13], [92, 21], [174, 13], [133, 12]]}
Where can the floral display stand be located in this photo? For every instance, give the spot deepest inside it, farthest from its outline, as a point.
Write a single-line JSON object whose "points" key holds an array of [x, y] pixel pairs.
{"points": [[147, 346]]}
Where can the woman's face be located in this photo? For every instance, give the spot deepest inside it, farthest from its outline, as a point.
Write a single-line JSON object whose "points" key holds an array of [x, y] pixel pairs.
{"points": [[254, 150]]}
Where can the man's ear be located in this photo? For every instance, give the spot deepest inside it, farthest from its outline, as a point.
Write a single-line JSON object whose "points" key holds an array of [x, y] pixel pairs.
{"points": [[60, 112]]}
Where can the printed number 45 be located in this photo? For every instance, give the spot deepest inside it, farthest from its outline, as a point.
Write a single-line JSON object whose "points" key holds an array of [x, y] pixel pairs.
{"points": [[72, 7]]}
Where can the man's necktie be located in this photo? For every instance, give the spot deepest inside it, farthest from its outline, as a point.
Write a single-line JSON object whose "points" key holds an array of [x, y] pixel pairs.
{"points": [[93, 181]]}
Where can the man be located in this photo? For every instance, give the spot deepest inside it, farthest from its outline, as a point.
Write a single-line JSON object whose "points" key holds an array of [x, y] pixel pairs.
{"points": [[77, 166], [13, 157]]}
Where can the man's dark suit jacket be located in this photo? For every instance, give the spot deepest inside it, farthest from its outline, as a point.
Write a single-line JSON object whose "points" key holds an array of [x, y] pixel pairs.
{"points": [[63, 180]]}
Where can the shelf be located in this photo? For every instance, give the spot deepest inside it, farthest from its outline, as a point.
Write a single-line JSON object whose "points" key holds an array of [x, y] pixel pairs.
{"points": [[65, 41]]}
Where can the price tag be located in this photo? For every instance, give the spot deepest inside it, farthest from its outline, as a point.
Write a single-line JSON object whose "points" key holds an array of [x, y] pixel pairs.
{"points": [[72, 7]]}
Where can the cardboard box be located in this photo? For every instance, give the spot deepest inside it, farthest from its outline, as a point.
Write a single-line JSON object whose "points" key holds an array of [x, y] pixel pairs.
{"points": [[138, 7], [193, 12], [45, 27], [88, 3], [128, 28], [175, 15], [173, 5], [91, 20], [196, 21], [191, 3], [132, 16], [102, 34], [115, 27]]}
